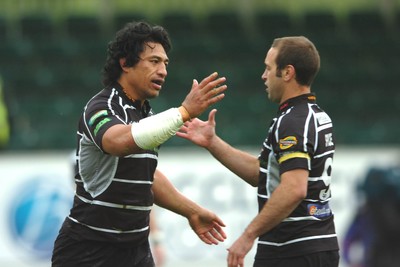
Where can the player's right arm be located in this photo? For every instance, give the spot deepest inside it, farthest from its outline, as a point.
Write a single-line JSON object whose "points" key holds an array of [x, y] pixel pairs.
{"points": [[202, 133]]}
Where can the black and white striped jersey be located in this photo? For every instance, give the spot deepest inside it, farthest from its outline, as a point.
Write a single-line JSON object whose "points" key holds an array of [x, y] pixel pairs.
{"points": [[300, 137], [113, 194]]}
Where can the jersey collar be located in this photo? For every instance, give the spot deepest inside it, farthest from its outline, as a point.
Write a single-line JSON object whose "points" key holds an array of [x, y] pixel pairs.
{"points": [[309, 98], [145, 109]]}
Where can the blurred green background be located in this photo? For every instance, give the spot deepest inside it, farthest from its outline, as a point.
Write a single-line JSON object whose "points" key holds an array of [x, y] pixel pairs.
{"points": [[52, 52]]}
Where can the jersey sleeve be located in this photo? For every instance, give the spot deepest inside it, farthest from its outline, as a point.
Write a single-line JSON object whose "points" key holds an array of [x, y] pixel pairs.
{"points": [[98, 117], [295, 141]]}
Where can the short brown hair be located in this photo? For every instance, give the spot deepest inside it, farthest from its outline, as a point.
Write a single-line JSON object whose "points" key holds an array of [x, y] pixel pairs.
{"points": [[301, 53]]}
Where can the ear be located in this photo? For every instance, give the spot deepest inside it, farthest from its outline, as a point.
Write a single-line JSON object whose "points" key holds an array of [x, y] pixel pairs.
{"points": [[122, 62], [288, 73]]}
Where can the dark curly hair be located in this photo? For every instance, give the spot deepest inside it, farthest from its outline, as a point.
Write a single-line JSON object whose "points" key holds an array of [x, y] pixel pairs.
{"points": [[129, 43]]}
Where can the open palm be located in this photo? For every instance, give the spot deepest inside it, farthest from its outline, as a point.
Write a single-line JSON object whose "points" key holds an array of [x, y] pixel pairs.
{"points": [[199, 132]]}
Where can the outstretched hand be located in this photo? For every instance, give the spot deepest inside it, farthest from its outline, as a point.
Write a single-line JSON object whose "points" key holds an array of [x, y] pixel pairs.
{"points": [[199, 132], [204, 94], [208, 227]]}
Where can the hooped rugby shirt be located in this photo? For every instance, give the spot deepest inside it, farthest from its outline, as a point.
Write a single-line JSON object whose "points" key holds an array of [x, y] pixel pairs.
{"points": [[300, 137]]}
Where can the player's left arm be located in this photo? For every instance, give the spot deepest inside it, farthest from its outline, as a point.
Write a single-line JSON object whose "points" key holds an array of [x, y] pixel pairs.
{"points": [[204, 223], [286, 197]]}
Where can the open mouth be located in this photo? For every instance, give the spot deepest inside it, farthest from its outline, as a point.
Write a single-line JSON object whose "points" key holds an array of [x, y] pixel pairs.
{"points": [[158, 83]]}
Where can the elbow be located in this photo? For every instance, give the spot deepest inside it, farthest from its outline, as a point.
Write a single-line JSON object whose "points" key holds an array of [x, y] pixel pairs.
{"points": [[296, 193], [295, 198], [255, 176], [251, 179], [118, 141], [254, 183], [300, 194], [296, 183]]}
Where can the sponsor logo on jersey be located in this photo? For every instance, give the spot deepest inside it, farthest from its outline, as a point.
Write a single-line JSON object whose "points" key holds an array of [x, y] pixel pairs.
{"points": [[287, 142], [319, 211], [96, 116]]}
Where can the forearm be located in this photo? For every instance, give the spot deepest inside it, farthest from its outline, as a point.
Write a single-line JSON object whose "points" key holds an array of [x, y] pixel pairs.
{"points": [[274, 212], [167, 196], [241, 163], [148, 133]]}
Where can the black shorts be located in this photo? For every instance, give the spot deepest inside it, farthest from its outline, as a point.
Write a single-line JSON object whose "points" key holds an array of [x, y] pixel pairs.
{"points": [[319, 259], [69, 252]]}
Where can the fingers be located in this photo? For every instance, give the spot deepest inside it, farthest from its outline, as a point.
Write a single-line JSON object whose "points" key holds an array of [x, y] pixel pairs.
{"points": [[215, 99], [215, 94], [218, 222], [208, 79], [212, 237], [205, 239], [215, 88], [204, 94], [208, 239], [182, 132], [211, 118], [185, 126], [212, 85], [218, 234], [221, 233], [211, 115], [234, 260]]}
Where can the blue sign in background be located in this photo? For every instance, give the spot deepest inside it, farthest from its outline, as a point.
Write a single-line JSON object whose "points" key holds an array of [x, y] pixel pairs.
{"points": [[37, 212]]}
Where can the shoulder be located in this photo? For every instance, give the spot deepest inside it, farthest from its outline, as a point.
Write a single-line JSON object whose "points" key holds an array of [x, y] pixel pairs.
{"points": [[105, 99], [295, 114]]}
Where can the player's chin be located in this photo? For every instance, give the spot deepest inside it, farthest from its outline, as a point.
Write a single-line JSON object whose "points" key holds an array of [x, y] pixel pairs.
{"points": [[153, 94]]}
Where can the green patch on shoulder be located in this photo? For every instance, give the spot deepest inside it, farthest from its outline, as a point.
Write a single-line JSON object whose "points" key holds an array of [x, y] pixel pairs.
{"points": [[100, 124]]}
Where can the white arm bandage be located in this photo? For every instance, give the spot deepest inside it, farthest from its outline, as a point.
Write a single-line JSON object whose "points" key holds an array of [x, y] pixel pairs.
{"points": [[152, 131]]}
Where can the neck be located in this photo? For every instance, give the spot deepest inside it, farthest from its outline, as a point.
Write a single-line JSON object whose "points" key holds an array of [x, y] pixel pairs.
{"points": [[295, 91], [128, 95]]}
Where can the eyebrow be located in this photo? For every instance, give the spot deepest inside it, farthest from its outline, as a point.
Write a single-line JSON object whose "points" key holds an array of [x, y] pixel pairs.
{"points": [[158, 57]]}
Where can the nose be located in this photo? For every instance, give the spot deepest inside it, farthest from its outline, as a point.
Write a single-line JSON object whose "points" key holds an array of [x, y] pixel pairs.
{"points": [[162, 70], [264, 76]]}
